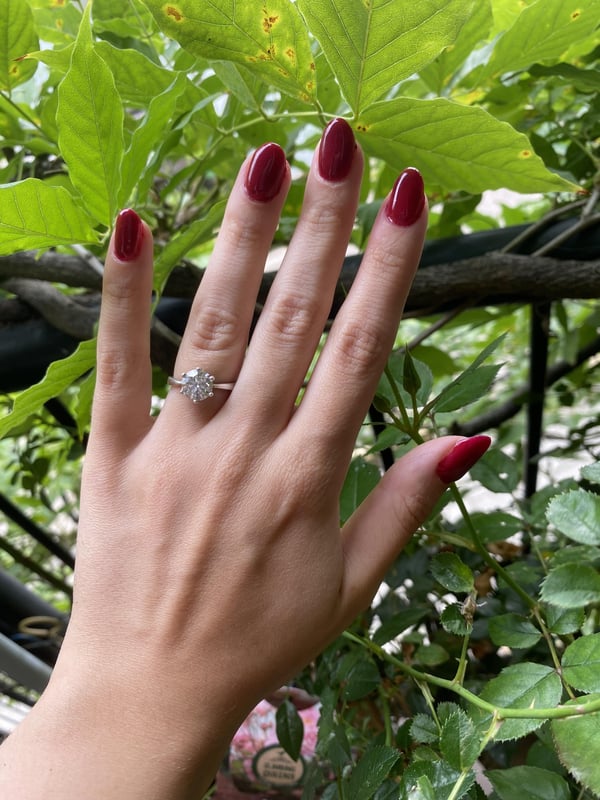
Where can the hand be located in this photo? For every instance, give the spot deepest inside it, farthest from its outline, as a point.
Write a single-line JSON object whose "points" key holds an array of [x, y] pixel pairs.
{"points": [[210, 562]]}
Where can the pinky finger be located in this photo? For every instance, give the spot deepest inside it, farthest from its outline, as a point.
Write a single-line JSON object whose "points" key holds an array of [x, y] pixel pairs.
{"points": [[123, 384]]}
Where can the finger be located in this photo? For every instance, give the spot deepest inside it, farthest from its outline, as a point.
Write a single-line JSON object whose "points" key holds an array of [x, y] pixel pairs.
{"points": [[284, 341], [365, 328], [216, 335], [122, 396], [404, 498]]}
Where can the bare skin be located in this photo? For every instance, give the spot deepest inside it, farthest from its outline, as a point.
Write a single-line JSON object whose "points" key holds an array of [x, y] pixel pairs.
{"points": [[211, 566]]}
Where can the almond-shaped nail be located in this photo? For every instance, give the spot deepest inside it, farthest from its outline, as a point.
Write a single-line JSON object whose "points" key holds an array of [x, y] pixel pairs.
{"points": [[461, 458], [266, 172], [129, 235], [336, 151], [406, 201]]}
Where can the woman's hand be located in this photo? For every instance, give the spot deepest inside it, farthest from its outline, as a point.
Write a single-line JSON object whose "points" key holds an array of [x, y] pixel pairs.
{"points": [[210, 561]]}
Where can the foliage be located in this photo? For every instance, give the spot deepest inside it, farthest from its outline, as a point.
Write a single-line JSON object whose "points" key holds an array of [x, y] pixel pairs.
{"points": [[482, 648]]}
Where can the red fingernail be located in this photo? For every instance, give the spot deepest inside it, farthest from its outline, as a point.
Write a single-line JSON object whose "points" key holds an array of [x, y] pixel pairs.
{"points": [[406, 201], [336, 151], [129, 234], [461, 458], [266, 172]]}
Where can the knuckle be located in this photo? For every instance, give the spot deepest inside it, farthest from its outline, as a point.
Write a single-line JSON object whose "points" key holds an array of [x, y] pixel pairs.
{"points": [[241, 234], [215, 329], [361, 349], [113, 367], [321, 217], [291, 318]]}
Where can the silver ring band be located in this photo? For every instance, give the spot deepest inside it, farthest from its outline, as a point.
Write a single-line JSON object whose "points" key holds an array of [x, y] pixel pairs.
{"points": [[198, 385]]}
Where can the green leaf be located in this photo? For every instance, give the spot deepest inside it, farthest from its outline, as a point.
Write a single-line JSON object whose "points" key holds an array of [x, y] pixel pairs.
{"points": [[591, 473], [398, 624], [396, 368], [137, 79], [431, 655], [459, 742], [577, 515], [497, 471], [513, 630], [440, 777], [34, 215], [454, 621], [564, 620], [372, 46], [581, 663], [495, 526], [58, 377], [90, 124], [290, 728], [17, 38], [423, 729], [269, 37], [456, 147], [411, 380], [577, 740], [129, 19], [370, 772], [571, 586], [361, 479], [450, 570], [466, 389], [199, 231], [525, 685], [543, 32], [528, 783], [156, 123], [359, 676]]}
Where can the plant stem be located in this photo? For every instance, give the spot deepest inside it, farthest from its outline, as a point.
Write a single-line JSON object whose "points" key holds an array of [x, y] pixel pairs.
{"points": [[485, 554], [501, 713]]}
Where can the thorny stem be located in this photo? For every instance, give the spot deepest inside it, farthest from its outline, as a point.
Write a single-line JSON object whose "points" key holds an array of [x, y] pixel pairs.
{"points": [[500, 713]]}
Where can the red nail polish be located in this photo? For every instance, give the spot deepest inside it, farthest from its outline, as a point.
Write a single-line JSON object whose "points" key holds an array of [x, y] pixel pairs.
{"points": [[266, 172], [336, 151], [406, 201], [129, 234], [461, 458]]}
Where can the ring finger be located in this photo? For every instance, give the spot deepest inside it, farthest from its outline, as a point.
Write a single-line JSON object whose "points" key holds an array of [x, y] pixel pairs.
{"points": [[216, 335]]}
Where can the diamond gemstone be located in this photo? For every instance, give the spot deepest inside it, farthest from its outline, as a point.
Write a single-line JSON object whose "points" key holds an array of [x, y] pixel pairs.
{"points": [[197, 384]]}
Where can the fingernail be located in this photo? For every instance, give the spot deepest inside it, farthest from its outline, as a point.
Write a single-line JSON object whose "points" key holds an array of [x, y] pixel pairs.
{"points": [[336, 151], [461, 458], [406, 201], [266, 172], [129, 234]]}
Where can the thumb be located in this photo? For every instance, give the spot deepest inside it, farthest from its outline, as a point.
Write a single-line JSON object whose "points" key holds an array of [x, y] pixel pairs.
{"points": [[403, 499]]}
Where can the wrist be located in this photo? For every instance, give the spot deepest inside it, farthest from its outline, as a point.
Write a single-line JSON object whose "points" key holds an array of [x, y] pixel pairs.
{"points": [[110, 737]]}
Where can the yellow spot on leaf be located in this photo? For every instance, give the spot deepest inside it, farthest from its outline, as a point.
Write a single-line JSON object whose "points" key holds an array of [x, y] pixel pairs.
{"points": [[173, 11], [268, 22], [59, 24], [57, 3], [575, 14], [362, 128], [525, 154], [291, 53]]}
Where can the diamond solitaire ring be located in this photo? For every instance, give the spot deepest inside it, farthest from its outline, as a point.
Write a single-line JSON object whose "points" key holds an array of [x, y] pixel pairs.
{"points": [[198, 385]]}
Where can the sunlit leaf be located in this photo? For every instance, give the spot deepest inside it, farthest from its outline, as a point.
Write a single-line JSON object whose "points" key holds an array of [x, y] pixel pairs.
{"points": [[17, 39], [34, 214], [90, 124], [372, 45], [544, 31], [270, 36]]}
